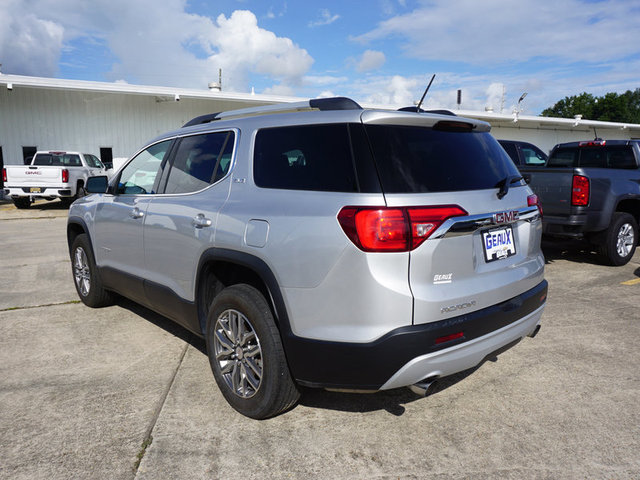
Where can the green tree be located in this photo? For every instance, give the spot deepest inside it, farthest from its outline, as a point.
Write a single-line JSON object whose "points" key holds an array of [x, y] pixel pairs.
{"points": [[611, 107]]}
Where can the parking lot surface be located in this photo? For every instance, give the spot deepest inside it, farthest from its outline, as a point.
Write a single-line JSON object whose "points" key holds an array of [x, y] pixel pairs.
{"points": [[123, 393]]}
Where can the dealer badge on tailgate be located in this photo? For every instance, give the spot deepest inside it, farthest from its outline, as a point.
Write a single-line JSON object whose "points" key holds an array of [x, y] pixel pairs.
{"points": [[498, 244]]}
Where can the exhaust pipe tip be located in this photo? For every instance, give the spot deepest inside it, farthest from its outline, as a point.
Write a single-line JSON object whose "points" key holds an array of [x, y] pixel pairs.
{"points": [[535, 331], [421, 388]]}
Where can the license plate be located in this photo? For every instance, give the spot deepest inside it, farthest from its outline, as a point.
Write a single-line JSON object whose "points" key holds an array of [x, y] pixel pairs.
{"points": [[34, 189], [498, 244]]}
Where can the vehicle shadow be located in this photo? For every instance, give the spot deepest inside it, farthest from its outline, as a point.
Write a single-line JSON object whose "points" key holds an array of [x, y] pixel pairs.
{"points": [[391, 401], [46, 205], [162, 322], [577, 251]]}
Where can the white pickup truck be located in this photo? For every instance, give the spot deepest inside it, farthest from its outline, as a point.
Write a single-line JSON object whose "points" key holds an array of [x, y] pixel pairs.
{"points": [[52, 174]]}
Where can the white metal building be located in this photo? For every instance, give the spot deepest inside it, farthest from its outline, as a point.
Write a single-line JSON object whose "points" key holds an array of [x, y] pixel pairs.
{"points": [[115, 119]]}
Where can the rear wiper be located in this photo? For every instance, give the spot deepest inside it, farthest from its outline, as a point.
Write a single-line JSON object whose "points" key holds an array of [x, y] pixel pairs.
{"points": [[505, 183]]}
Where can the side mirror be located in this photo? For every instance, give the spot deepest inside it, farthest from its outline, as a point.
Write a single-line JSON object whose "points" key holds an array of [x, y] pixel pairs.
{"points": [[97, 184]]}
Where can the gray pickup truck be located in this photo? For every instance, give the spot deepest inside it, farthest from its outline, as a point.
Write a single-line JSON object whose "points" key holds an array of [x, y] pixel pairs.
{"points": [[591, 190]]}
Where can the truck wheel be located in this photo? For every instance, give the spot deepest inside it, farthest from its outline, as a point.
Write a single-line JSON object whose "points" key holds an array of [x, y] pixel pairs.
{"points": [[246, 354], [80, 192], [85, 274], [620, 239], [22, 202]]}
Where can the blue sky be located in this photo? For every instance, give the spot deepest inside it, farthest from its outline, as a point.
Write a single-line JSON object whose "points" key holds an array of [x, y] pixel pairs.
{"points": [[377, 51]]}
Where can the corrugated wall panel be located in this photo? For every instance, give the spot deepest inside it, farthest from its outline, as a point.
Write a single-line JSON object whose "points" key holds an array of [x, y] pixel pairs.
{"points": [[87, 121]]}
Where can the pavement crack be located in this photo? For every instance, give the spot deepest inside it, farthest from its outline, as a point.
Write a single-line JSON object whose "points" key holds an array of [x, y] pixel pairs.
{"points": [[27, 307], [148, 438]]}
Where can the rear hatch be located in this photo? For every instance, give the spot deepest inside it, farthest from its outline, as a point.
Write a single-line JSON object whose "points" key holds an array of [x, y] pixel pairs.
{"points": [[479, 221]]}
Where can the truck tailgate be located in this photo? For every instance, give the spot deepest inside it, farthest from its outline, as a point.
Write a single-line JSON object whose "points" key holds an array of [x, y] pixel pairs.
{"points": [[26, 176], [553, 187]]}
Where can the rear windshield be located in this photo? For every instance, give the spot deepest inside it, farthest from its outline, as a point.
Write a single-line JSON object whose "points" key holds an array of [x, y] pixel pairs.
{"points": [[612, 156], [418, 159], [64, 160]]}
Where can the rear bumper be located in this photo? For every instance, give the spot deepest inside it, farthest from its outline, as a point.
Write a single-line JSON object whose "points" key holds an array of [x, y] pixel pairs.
{"points": [[575, 225], [407, 355], [464, 356], [48, 191]]}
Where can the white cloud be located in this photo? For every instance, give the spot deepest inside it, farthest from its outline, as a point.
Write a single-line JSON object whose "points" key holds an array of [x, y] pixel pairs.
{"points": [[154, 43], [396, 90], [495, 93], [282, 90], [242, 47], [29, 45], [323, 80], [370, 60], [325, 18], [501, 31]]}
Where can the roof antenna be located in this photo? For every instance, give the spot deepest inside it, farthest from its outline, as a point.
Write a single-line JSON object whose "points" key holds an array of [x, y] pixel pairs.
{"points": [[425, 93], [595, 132]]}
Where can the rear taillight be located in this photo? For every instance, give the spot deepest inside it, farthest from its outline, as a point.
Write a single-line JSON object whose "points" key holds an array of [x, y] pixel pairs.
{"points": [[580, 191], [65, 175], [534, 200], [400, 229], [4, 174]]}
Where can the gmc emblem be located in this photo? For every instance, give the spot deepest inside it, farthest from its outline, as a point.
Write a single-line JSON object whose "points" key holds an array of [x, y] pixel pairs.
{"points": [[505, 217]]}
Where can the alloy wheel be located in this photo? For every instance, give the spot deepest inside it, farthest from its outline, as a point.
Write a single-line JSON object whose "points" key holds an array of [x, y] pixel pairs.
{"points": [[625, 240], [81, 271], [238, 353]]}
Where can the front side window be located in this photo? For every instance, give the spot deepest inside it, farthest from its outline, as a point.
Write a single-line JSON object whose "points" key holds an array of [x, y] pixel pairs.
{"points": [[200, 161], [309, 157], [139, 176], [93, 161], [533, 156]]}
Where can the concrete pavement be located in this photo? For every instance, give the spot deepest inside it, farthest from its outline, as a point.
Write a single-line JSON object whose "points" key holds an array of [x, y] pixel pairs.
{"points": [[81, 390]]}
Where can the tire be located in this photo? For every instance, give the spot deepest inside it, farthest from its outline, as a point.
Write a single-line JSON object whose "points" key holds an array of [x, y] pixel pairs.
{"points": [[620, 239], [246, 354], [85, 274], [80, 191], [22, 202]]}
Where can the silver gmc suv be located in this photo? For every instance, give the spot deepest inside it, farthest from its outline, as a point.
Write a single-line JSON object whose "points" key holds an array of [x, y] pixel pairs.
{"points": [[320, 244]]}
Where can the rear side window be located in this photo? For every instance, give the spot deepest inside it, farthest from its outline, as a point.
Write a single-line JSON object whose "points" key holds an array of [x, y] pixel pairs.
{"points": [[563, 158], [614, 156], [418, 160], [308, 157], [200, 161]]}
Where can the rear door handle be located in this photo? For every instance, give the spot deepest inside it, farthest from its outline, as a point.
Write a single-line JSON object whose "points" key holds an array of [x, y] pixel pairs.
{"points": [[136, 213], [200, 221]]}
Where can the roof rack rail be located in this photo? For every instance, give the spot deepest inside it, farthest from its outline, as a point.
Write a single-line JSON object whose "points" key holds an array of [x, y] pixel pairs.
{"points": [[325, 104]]}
